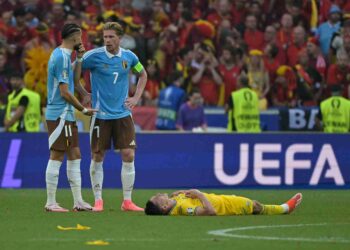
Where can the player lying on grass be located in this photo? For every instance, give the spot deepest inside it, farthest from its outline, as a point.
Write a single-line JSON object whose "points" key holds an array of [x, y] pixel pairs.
{"points": [[194, 202]]}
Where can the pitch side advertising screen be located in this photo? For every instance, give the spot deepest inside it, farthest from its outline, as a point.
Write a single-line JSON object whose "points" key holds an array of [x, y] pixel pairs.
{"points": [[173, 160]]}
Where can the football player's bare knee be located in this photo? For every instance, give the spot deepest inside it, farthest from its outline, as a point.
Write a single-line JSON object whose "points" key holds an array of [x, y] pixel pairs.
{"points": [[98, 156], [73, 154], [128, 154], [257, 207], [57, 155]]}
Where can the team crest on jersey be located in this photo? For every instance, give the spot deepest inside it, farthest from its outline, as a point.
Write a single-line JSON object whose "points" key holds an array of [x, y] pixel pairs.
{"points": [[190, 211], [64, 74], [125, 64], [105, 66]]}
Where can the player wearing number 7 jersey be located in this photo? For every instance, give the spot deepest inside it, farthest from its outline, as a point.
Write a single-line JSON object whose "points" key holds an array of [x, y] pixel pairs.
{"points": [[109, 74]]}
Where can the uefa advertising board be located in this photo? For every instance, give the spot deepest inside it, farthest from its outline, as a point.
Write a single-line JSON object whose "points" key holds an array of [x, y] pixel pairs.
{"points": [[191, 160]]}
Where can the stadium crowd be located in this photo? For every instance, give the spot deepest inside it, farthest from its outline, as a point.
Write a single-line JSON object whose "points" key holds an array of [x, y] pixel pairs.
{"points": [[292, 51]]}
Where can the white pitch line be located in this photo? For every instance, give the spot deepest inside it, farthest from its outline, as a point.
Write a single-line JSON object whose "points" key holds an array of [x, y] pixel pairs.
{"points": [[116, 240], [228, 233]]}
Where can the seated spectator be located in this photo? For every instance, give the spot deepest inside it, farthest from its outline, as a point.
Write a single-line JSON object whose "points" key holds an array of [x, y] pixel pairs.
{"points": [[169, 102], [191, 114]]}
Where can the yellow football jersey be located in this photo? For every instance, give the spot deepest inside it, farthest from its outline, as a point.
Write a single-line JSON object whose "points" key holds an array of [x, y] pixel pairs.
{"points": [[223, 205]]}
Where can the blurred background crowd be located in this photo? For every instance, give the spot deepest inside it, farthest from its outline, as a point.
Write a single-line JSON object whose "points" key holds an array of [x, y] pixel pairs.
{"points": [[292, 51]]}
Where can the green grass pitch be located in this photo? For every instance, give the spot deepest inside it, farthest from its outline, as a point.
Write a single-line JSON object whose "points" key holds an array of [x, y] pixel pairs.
{"points": [[321, 222]]}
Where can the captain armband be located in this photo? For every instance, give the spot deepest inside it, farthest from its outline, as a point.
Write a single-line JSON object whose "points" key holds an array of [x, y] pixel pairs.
{"points": [[137, 68]]}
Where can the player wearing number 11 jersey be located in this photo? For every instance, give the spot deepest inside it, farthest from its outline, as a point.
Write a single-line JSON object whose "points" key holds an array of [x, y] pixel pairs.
{"points": [[109, 74]]}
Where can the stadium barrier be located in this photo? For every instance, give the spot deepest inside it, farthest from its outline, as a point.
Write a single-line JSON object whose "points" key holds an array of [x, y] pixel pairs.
{"points": [[191, 160]]}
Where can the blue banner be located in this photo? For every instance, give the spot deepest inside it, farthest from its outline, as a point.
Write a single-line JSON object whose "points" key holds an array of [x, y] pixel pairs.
{"points": [[186, 160]]}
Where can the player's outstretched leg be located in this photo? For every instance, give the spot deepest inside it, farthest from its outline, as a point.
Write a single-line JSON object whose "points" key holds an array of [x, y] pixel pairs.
{"points": [[128, 179], [294, 202], [286, 208]]}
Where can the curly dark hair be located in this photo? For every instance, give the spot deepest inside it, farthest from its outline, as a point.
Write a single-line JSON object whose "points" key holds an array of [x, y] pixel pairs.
{"points": [[152, 209]]}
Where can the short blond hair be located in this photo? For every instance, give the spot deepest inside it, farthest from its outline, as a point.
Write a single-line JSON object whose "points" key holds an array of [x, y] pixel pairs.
{"points": [[114, 26]]}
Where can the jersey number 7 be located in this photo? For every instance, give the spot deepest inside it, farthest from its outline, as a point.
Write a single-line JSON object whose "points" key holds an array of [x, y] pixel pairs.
{"points": [[116, 77]]}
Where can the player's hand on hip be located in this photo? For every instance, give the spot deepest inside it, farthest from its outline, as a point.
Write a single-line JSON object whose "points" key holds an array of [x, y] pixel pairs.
{"points": [[88, 111], [131, 102]]}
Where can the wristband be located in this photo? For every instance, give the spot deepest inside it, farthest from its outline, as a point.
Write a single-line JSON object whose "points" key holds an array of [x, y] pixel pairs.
{"points": [[84, 111], [79, 59]]}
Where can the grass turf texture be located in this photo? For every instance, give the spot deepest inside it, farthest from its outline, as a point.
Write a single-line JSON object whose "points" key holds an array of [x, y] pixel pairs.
{"points": [[25, 225]]}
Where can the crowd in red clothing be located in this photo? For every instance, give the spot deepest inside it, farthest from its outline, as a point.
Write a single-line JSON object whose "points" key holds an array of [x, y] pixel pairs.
{"points": [[292, 51]]}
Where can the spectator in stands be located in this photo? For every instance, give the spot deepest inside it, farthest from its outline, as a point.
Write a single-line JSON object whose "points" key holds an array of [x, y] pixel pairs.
{"points": [[299, 43], [151, 92], [23, 112], [183, 64], [285, 33], [5, 71], [270, 39], [56, 20], [220, 12], [186, 31], [229, 71], [31, 17], [205, 74], [255, 9], [326, 30], [339, 74], [271, 61], [340, 41], [157, 22], [42, 39], [309, 81], [258, 77], [316, 59], [17, 37], [252, 36], [239, 11], [283, 90], [169, 102], [335, 113], [295, 8], [243, 109], [191, 114]]}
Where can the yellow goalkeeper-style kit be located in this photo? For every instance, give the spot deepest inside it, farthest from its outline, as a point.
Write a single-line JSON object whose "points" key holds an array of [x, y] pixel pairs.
{"points": [[223, 205]]}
